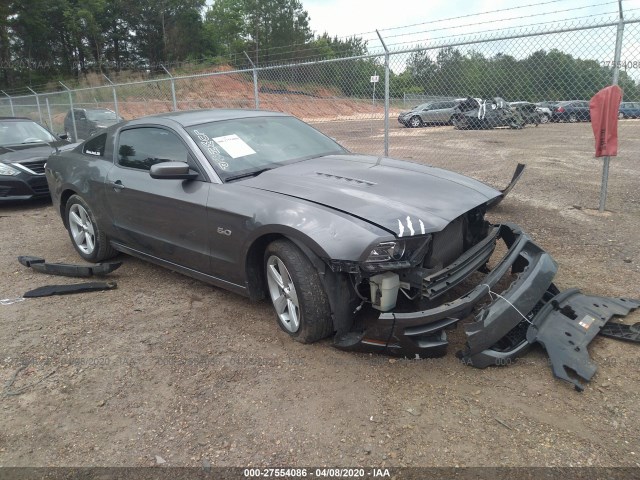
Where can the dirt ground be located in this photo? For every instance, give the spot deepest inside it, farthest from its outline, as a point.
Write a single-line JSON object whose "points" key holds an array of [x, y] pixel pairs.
{"points": [[168, 366]]}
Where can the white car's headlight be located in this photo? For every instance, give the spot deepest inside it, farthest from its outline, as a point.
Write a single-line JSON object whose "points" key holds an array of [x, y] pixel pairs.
{"points": [[8, 170], [387, 251]]}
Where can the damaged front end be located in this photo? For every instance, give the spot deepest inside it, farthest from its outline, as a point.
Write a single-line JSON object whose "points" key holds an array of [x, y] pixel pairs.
{"points": [[503, 329]]}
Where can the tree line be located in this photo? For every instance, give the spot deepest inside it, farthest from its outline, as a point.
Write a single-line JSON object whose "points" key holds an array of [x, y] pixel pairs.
{"points": [[44, 40]]}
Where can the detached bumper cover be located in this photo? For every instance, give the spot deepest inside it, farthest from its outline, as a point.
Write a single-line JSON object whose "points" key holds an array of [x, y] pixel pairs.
{"points": [[567, 324], [423, 332]]}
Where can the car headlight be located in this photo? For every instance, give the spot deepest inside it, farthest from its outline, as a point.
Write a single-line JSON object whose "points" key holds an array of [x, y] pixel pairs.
{"points": [[387, 251], [8, 170]]}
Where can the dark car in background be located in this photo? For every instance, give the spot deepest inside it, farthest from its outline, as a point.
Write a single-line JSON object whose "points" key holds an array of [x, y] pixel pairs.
{"points": [[571, 111], [24, 148], [431, 113], [629, 110], [89, 121], [529, 112], [474, 113]]}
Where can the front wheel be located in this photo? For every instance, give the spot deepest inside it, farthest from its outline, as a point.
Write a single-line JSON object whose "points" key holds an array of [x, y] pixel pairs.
{"points": [[296, 291], [544, 118], [415, 122], [87, 238], [573, 118]]}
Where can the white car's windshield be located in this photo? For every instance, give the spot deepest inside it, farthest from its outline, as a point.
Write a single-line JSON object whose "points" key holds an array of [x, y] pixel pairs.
{"points": [[246, 146], [23, 132]]}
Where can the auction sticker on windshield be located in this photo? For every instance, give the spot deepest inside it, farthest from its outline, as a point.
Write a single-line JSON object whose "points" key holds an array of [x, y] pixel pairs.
{"points": [[234, 146]]}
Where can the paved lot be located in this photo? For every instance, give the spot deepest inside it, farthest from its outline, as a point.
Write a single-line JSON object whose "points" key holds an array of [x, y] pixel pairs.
{"points": [[166, 365]]}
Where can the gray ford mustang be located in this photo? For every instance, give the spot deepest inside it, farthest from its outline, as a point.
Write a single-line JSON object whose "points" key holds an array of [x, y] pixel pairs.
{"points": [[264, 205]]}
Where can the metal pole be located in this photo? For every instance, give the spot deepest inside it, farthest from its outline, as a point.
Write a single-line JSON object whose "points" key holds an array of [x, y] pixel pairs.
{"points": [[13, 114], [173, 89], [255, 82], [386, 95], [37, 103], [46, 99], [73, 115], [616, 76], [115, 97]]}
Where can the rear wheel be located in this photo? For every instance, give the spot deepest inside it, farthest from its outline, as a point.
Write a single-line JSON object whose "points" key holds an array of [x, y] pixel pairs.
{"points": [[297, 294], [620, 115], [87, 238], [415, 122], [544, 118], [70, 136], [573, 118]]}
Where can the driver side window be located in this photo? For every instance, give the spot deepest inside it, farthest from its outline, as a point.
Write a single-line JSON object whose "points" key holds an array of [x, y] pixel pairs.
{"points": [[143, 147]]}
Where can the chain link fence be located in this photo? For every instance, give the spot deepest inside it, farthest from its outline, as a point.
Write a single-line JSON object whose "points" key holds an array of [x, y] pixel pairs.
{"points": [[363, 101]]}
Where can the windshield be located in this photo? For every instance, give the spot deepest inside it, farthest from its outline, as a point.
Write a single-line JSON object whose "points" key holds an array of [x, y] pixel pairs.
{"points": [[250, 145], [23, 132], [98, 115]]}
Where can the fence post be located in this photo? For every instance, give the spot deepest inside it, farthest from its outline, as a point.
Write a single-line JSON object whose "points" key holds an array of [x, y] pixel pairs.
{"points": [[173, 89], [255, 82], [37, 103], [73, 115], [46, 99], [115, 96], [614, 81], [386, 95], [13, 114]]}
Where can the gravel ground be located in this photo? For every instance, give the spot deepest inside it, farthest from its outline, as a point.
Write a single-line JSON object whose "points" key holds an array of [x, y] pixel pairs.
{"points": [[168, 366]]}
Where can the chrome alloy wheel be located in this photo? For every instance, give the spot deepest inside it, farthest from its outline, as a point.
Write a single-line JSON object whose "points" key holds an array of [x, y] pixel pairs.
{"points": [[82, 229], [283, 294]]}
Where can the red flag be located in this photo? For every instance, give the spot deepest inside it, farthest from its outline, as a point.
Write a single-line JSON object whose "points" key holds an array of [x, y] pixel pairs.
{"points": [[604, 120]]}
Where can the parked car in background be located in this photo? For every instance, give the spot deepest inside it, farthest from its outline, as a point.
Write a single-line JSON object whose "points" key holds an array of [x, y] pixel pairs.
{"points": [[24, 148], [530, 113], [629, 110], [473, 113], [431, 113], [89, 121], [571, 111]]}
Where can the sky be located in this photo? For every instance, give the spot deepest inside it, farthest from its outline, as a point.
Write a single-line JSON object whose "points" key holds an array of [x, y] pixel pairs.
{"points": [[405, 24], [348, 17]]}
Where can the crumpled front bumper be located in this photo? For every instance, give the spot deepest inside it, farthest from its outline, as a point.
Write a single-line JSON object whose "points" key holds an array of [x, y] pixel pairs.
{"points": [[423, 332]]}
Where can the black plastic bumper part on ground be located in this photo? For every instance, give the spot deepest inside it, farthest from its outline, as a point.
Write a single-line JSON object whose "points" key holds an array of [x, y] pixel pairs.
{"points": [[423, 332]]}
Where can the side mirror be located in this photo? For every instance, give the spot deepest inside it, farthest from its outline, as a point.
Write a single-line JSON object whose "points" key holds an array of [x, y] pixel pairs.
{"points": [[172, 171]]}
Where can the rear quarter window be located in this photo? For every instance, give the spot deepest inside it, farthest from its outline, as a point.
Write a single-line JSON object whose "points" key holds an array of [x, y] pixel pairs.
{"points": [[95, 147]]}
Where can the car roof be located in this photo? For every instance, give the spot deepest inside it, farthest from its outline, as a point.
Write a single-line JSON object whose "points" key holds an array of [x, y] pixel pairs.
{"points": [[187, 118], [18, 119]]}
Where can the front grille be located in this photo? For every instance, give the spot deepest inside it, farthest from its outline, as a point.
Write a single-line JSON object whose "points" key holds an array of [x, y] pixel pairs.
{"points": [[40, 189], [34, 166], [448, 244]]}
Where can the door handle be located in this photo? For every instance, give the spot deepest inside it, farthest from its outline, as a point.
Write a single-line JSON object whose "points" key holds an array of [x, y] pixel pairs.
{"points": [[117, 185]]}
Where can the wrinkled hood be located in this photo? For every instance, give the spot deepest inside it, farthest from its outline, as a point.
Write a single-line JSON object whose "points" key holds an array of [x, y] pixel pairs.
{"points": [[402, 197]]}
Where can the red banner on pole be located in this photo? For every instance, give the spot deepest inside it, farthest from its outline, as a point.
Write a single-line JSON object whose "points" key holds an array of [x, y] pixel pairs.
{"points": [[604, 108]]}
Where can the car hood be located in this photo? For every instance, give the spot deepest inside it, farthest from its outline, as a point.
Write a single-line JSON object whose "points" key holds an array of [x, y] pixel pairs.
{"points": [[18, 153], [402, 197]]}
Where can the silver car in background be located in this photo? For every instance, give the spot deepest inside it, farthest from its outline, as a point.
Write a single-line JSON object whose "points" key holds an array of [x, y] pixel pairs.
{"points": [[434, 113]]}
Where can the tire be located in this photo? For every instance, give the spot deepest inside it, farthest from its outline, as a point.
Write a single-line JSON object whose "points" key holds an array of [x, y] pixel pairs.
{"points": [[544, 118], [297, 294], [86, 236], [621, 115], [460, 123], [70, 137], [415, 122], [573, 118]]}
